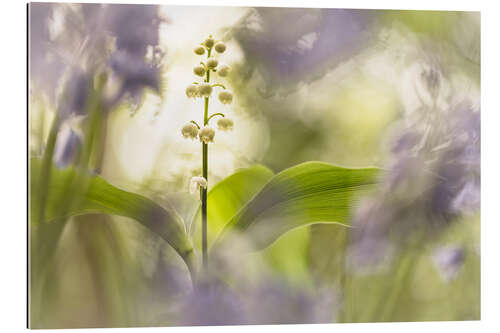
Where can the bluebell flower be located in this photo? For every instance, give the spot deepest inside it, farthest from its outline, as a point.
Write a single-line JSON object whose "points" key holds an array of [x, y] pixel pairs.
{"points": [[135, 27], [267, 301], [134, 75], [82, 49], [449, 261], [45, 65], [68, 146], [432, 179], [289, 45]]}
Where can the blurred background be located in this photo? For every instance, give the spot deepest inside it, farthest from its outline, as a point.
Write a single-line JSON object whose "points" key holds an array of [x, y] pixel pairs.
{"points": [[399, 90]]}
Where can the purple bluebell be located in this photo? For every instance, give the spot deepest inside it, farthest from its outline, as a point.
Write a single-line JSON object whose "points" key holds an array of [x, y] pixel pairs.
{"points": [[81, 50], [68, 146], [289, 45], [432, 178], [134, 74], [45, 64], [449, 261]]}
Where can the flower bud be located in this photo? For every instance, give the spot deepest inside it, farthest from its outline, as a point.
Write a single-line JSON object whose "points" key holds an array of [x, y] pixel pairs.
{"points": [[199, 70], [225, 124], [225, 97], [212, 63], [200, 50], [190, 131], [207, 134], [205, 89], [192, 91], [223, 70], [196, 183], [220, 47], [209, 42]]}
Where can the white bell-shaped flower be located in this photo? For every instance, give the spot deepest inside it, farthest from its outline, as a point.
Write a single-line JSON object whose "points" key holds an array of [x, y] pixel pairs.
{"points": [[225, 97], [196, 183], [207, 134], [190, 131], [225, 124]]}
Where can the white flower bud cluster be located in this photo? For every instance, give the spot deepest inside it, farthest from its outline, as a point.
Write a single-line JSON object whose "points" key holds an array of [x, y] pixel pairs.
{"points": [[212, 64], [204, 90]]}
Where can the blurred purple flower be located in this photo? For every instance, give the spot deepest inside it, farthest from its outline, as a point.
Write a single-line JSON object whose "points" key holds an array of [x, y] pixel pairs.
{"points": [[289, 45], [75, 98], [82, 48], [45, 65], [432, 179], [276, 302], [135, 75], [212, 304], [68, 145], [267, 301], [135, 27], [449, 261]]}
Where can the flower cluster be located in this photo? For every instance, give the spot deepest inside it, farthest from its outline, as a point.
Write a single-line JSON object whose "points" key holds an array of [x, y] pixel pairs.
{"points": [[433, 178], [97, 38], [204, 90]]}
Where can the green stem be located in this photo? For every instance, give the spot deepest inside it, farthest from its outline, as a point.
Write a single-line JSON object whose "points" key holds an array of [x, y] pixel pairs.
{"points": [[403, 274], [405, 268], [204, 207], [204, 190], [195, 123], [46, 166], [215, 114], [218, 85]]}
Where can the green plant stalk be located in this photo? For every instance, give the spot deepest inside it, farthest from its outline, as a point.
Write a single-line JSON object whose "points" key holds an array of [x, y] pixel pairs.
{"points": [[203, 190], [50, 233], [46, 166]]}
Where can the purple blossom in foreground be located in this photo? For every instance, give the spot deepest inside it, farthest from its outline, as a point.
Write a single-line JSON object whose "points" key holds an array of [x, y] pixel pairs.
{"points": [[213, 304], [265, 302], [432, 178], [134, 75], [67, 147], [73, 44], [449, 261], [81, 49], [136, 28], [45, 65], [302, 44]]}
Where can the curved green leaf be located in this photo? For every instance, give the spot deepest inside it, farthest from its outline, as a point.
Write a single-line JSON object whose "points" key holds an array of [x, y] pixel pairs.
{"points": [[72, 194], [312, 192], [228, 196]]}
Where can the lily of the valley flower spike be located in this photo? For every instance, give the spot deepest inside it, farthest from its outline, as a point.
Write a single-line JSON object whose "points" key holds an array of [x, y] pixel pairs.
{"points": [[203, 131]]}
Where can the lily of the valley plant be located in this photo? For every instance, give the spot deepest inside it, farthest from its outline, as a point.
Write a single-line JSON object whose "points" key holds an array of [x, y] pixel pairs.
{"points": [[204, 131]]}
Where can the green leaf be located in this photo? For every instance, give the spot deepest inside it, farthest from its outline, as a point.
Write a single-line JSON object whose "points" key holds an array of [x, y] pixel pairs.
{"points": [[228, 196], [289, 255], [71, 194], [312, 192]]}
